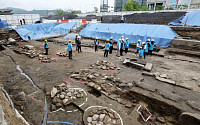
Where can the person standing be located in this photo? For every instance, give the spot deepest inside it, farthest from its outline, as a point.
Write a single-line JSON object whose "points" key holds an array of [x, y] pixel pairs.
{"points": [[111, 45], [70, 49], [107, 47], [152, 44], [20, 22], [46, 46], [118, 47], [76, 38], [24, 21], [96, 43], [141, 52], [138, 45], [122, 47], [29, 38], [146, 48], [122, 19], [126, 45], [79, 44]]}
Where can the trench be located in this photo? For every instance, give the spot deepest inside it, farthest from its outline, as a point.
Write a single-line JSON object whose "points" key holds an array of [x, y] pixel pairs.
{"points": [[45, 106]]}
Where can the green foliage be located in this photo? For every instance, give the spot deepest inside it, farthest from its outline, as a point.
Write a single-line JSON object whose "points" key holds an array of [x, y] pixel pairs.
{"points": [[145, 8], [171, 8], [76, 12], [132, 5], [96, 9], [60, 12], [159, 7], [182, 6]]}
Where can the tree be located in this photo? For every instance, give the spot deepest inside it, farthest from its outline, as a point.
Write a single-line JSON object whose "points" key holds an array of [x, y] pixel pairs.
{"points": [[159, 7], [132, 5], [96, 9], [60, 12]]}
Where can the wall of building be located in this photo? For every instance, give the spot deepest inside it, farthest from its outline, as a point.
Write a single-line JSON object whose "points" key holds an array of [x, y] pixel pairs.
{"points": [[14, 20]]}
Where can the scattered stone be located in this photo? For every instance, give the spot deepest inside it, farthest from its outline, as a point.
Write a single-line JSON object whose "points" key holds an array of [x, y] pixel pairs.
{"points": [[163, 76], [195, 78], [104, 65], [129, 104], [147, 73], [161, 119], [148, 66], [89, 119], [62, 54], [184, 85], [53, 92], [166, 80], [187, 118], [95, 117], [101, 117]]}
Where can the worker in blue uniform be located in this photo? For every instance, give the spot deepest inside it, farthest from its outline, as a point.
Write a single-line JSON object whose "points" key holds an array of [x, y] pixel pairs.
{"points": [[107, 47], [46, 46], [111, 45], [118, 47], [70, 49], [152, 45], [126, 45], [122, 47], [96, 44], [146, 48], [141, 52], [138, 45]]}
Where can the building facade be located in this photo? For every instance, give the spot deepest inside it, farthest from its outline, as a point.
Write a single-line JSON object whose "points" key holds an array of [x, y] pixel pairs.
{"points": [[107, 6]]}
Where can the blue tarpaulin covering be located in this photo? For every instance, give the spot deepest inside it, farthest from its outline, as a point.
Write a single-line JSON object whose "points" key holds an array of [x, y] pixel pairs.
{"points": [[42, 30], [191, 18], [163, 35]]}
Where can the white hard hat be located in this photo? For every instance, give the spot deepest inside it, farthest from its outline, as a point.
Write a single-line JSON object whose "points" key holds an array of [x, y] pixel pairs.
{"points": [[143, 43], [122, 36], [96, 37], [152, 40], [76, 34], [126, 38], [148, 40], [120, 39], [139, 40], [111, 37]]}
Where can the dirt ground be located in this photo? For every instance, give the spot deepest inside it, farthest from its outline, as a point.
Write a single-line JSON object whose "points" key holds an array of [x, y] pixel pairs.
{"points": [[47, 75]]}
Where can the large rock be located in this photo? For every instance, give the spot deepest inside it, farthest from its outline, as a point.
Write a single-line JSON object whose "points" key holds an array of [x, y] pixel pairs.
{"points": [[29, 47], [166, 80], [95, 117], [89, 119], [148, 67], [53, 92], [101, 117], [188, 118]]}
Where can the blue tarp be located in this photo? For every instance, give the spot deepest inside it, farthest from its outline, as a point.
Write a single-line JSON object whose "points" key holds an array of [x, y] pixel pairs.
{"points": [[3, 23], [163, 35], [42, 30], [191, 18]]}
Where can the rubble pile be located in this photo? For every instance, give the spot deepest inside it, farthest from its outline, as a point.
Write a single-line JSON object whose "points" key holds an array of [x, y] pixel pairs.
{"points": [[103, 117], [46, 59], [62, 96], [104, 65], [63, 54], [28, 50], [85, 75]]}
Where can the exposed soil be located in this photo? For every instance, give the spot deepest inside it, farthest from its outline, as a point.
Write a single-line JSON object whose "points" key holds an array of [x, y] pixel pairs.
{"points": [[164, 101]]}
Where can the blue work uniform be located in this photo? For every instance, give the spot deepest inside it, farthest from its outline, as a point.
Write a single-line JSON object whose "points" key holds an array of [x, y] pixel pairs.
{"points": [[151, 46], [141, 53], [111, 42], [107, 46], [146, 48], [46, 46], [118, 44], [96, 42], [122, 45], [138, 46], [69, 47], [127, 44]]}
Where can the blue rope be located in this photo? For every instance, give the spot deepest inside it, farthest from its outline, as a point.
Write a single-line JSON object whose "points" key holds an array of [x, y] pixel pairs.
{"points": [[60, 122]]}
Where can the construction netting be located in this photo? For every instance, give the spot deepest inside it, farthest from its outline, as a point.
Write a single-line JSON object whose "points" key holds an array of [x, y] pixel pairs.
{"points": [[43, 30], [191, 18], [163, 35]]}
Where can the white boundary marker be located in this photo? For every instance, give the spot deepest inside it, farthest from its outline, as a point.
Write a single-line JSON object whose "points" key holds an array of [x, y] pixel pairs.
{"points": [[145, 120], [105, 108]]}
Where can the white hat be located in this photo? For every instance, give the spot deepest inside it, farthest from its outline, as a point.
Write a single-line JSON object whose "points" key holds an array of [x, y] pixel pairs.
{"points": [[76, 34], [96, 37], [120, 39], [139, 40], [152, 40], [143, 43], [111, 37], [79, 37], [122, 36], [126, 38], [148, 40]]}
